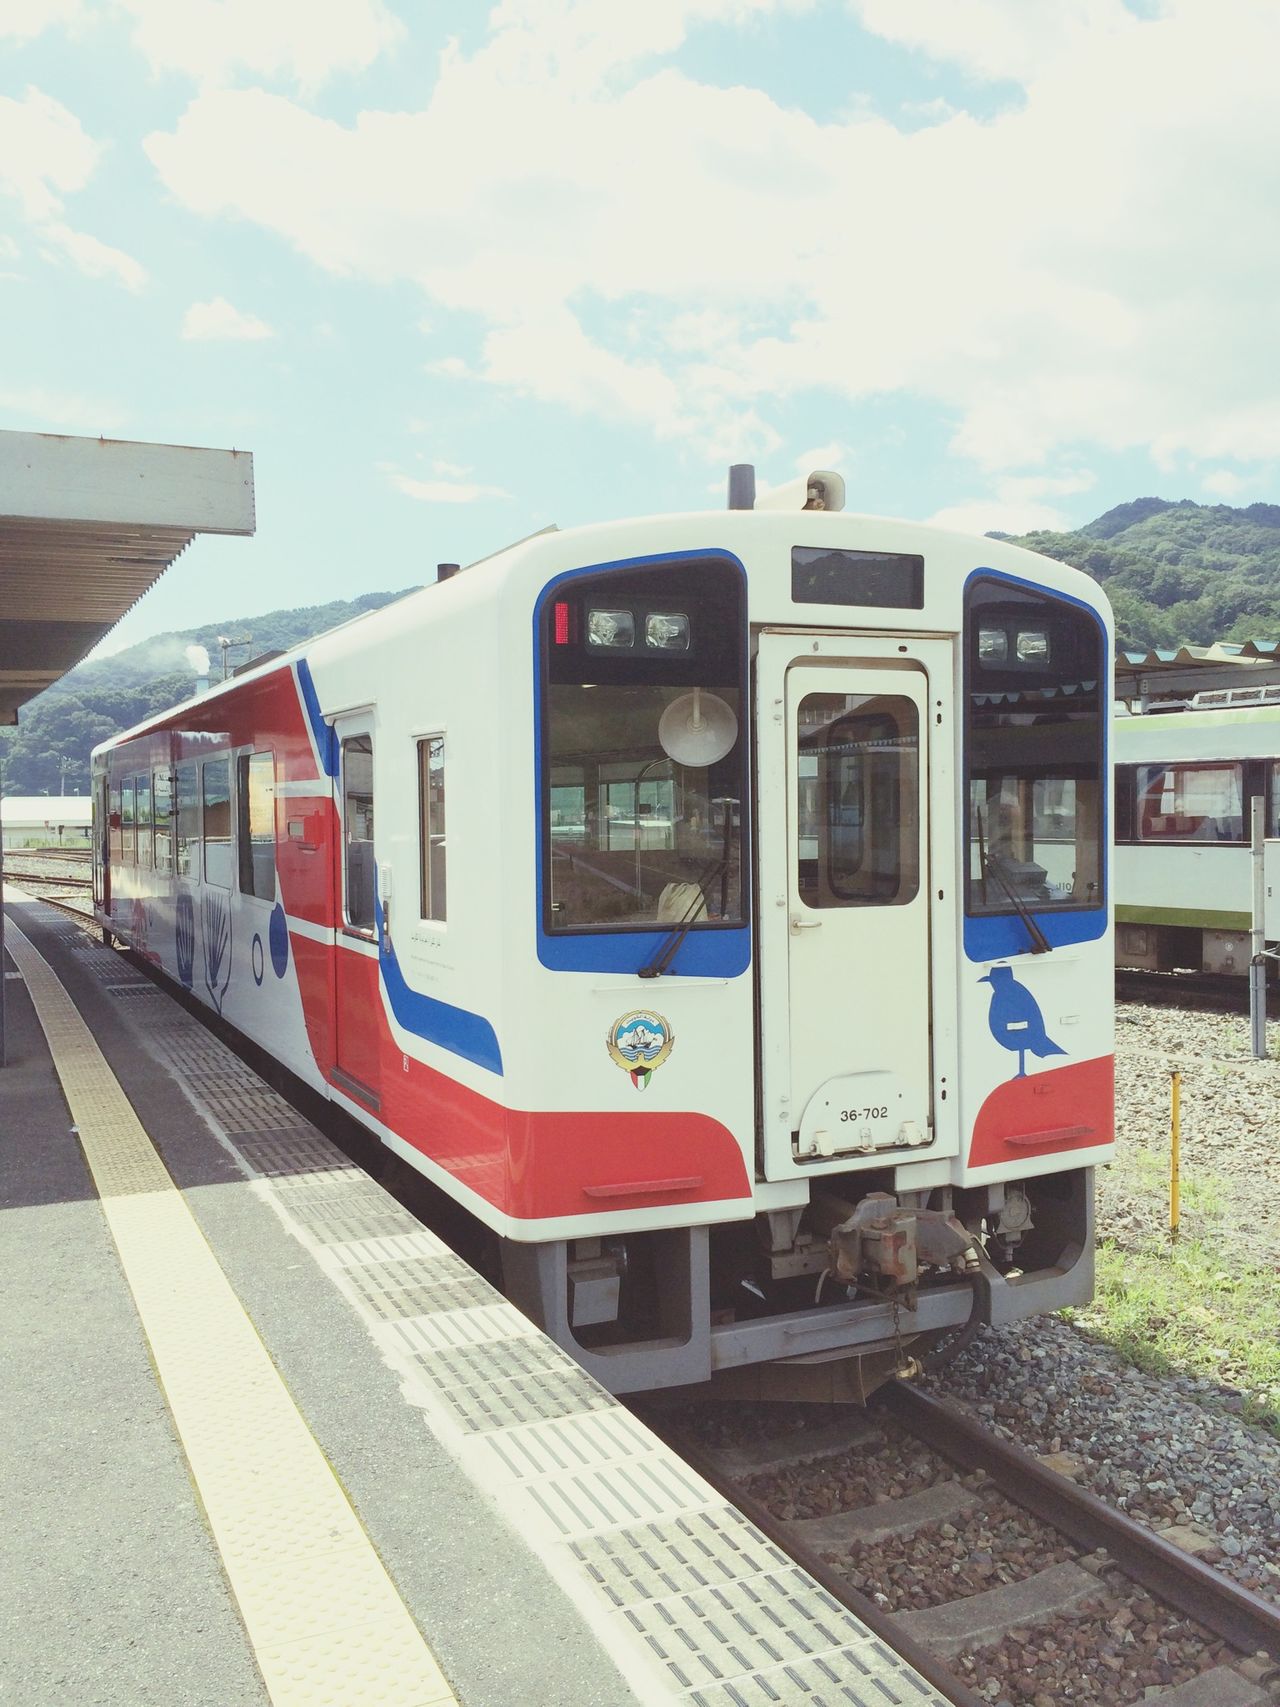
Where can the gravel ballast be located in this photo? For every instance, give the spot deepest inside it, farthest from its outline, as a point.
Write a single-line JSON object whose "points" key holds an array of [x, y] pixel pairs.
{"points": [[1168, 1449]]}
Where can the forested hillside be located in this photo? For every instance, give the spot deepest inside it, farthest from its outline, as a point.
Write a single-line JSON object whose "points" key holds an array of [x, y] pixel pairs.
{"points": [[48, 753], [1174, 572], [1180, 572]]}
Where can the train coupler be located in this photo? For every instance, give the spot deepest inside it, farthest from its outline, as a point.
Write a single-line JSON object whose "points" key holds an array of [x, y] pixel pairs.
{"points": [[888, 1246]]}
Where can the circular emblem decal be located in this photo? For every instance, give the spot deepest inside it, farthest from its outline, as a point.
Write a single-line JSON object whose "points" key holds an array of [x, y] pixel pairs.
{"points": [[639, 1043]]}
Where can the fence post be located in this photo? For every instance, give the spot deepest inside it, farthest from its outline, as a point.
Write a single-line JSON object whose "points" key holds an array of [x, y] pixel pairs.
{"points": [[1175, 1150]]}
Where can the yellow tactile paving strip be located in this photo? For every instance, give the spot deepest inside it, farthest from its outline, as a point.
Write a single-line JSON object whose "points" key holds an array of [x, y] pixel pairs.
{"points": [[324, 1619]]}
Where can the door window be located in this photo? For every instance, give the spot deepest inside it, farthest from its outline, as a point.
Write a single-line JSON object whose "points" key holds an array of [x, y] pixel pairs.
{"points": [[858, 793], [142, 797], [256, 824], [188, 821], [431, 805], [162, 806], [216, 777], [357, 831]]}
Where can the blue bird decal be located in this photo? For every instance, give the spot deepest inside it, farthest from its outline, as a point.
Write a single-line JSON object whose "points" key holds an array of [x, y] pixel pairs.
{"points": [[1015, 1018]]}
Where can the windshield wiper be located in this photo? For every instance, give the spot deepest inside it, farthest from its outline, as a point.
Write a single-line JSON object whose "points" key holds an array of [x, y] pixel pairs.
{"points": [[666, 951], [1040, 943]]}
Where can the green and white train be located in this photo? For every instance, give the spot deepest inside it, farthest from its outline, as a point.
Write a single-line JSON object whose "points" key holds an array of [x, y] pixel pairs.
{"points": [[1185, 779]]}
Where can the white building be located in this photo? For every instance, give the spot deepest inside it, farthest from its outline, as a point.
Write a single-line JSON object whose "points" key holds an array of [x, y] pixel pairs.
{"points": [[45, 819]]}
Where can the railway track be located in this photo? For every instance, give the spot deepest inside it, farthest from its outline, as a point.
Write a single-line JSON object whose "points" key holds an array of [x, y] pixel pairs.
{"points": [[985, 1566], [60, 877], [1212, 992]]}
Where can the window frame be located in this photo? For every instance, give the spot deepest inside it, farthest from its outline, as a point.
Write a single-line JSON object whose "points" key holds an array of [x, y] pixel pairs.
{"points": [[223, 759], [627, 584], [1181, 768], [427, 837], [128, 822], [909, 783], [369, 932], [1041, 601], [162, 827], [143, 825], [183, 843], [244, 836]]}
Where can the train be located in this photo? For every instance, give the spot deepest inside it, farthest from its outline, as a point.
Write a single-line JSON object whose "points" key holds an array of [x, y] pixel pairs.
{"points": [[715, 906], [1186, 775]]}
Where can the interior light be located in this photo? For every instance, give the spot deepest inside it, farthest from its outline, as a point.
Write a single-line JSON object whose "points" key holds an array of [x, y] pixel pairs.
{"points": [[667, 631], [993, 645], [615, 629], [1033, 646]]}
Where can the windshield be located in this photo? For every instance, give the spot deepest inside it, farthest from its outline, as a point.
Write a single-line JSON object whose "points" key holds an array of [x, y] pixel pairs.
{"points": [[644, 751], [1035, 673]]}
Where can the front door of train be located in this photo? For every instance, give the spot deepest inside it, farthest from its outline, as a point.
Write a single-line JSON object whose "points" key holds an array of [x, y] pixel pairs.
{"points": [[846, 1031]]}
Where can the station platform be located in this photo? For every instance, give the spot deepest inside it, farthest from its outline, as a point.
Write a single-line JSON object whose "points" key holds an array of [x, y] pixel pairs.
{"points": [[269, 1440]]}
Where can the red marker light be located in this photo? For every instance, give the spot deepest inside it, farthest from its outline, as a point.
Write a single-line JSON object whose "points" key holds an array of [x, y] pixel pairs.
{"points": [[562, 623]]}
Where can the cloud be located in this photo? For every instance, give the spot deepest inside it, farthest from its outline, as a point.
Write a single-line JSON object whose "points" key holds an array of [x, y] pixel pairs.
{"points": [[39, 409], [212, 40], [46, 155], [217, 320], [96, 260], [442, 491], [23, 20], [1088, 268], [996, 39], [1223, 483], [1016, 506]]}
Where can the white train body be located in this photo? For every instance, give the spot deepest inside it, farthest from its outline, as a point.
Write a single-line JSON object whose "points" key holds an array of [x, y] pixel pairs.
{"points": [[652, 995], [1185, 781]]}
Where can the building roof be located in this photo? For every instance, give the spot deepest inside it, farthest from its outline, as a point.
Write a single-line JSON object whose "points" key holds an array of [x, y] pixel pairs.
{"points": [[87, 526], [46, 809]]}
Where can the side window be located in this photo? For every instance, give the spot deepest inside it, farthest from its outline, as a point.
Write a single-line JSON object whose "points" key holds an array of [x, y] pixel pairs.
{"points": [[115, 820], [431, 807], [142, 811], [162, 807], [129, 844], [1190, 803], [217, 822], [188, 821], [357, 831], [256, 824]]}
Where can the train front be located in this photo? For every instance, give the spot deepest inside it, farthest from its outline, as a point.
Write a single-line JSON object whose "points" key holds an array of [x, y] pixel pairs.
{"points": [[822, 877]]}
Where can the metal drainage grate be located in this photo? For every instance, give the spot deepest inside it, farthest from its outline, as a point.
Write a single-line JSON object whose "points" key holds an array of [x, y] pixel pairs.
{"points": [[831, 1681], [698, 1551], [434, 1291], [596, 1441]]}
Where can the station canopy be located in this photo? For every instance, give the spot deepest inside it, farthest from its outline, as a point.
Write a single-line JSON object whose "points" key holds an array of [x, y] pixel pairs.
{"points": [[86, 527], [1175, 672]]}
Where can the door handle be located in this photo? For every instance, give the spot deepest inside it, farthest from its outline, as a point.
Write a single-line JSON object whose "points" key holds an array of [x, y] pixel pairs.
{"points": [[805, 924]]}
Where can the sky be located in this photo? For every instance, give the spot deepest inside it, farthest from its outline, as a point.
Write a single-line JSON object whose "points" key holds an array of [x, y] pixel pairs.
{"points": [[453, 271]]}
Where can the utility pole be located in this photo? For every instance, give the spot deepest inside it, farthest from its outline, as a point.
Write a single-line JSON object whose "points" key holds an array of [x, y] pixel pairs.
{"points": [[226, 643]]}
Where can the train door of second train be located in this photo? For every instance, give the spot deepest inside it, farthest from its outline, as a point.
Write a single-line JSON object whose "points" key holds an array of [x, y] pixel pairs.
{"points": [[845, 903], [100, 833], [358, 1011]]}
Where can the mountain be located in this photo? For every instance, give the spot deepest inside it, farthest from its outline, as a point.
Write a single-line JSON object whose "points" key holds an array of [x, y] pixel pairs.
{"points": [[48, 753], [1180, 572], [1175, 572]]}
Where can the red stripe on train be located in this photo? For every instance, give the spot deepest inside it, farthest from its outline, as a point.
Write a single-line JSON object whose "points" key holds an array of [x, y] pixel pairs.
{"points": [[1067, 1108], [529, 1164]]}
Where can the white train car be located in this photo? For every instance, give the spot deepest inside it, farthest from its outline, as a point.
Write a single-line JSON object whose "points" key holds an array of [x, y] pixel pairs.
{"points": [[716, 906], [1185, 781]]}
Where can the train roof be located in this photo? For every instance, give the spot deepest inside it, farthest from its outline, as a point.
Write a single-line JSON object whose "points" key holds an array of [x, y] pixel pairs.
{"points": [[527, 563]]}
